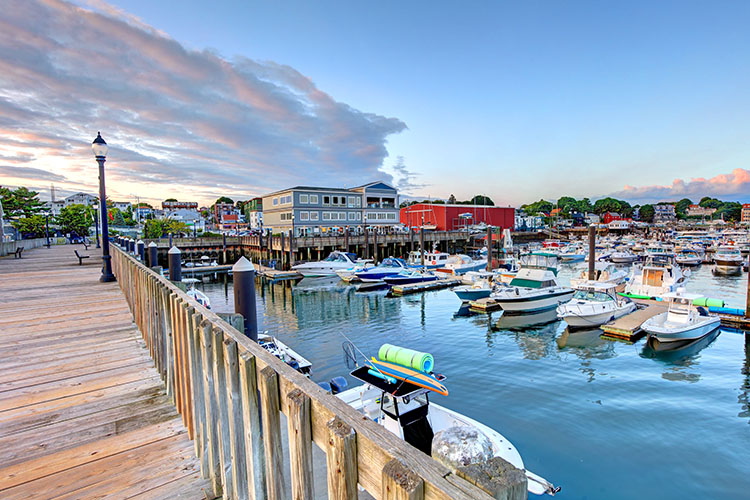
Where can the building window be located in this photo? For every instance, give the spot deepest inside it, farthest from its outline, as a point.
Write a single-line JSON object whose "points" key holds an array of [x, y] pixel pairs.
{"points": [[313, 199], [359, 201], [314, 215], [275, 201], [326, 201], [326, 215], [304, 216], [352, 216], [342, 215], [303, 198]]}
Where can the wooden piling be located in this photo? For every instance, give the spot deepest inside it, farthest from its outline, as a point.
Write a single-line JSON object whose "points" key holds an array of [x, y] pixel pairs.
{"points": [[342, 460], [268, 383], [299, 428], [592, 252], [400, 483]]}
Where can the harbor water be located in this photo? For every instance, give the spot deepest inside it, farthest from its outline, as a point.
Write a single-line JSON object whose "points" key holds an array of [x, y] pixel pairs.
{"points": [[603, 419]]}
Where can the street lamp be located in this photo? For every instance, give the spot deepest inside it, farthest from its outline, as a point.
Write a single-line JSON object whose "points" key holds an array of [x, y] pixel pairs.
{"points": [[100, 153], [46, 219]]}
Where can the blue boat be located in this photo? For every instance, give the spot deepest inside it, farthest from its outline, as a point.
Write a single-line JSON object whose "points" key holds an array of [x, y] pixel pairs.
{"points": [[389, 267], [407, 277], [468, 292]]}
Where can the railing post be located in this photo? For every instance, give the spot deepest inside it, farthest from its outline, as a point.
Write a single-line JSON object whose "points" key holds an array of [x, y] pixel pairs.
{"points": [[268, 383], [299, 426], [342, 460], [256, 470], [210, 404], [400, 483], [236, 427], [221, 402]]}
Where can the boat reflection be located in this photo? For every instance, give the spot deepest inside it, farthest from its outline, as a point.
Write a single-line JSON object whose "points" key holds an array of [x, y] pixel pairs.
{"points": [[586, 345], [679, 359], [317, 284], [524, 321]]}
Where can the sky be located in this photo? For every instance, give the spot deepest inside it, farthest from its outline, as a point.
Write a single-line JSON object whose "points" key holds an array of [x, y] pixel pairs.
{"points": [[645, 101]]}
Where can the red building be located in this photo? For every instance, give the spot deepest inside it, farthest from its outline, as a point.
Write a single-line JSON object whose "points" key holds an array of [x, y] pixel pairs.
{"points": [[610, 216], [453, 217]]}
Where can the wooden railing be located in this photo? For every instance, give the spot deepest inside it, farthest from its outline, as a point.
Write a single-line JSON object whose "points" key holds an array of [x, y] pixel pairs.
{"points": [[224, 385]]}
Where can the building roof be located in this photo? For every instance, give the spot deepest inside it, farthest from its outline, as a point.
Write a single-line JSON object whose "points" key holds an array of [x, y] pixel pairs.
{"points": [[304, 188]]}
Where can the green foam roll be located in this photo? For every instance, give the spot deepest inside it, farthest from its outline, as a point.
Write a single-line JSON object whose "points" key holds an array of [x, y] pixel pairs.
{"points": [[407, 357], [706, 302]]}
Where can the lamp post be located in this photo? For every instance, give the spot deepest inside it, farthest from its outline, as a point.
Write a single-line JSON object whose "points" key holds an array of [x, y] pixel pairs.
{"points": [[96, 225], [46, 220], [100, 153]]}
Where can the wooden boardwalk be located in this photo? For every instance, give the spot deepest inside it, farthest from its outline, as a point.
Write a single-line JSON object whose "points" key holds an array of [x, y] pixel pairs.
{"points": [[83, 412]]}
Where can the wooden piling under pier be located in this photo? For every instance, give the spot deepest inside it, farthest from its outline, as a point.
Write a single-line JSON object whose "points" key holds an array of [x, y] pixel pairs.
{"points": [[399, 290], [628, 327]]}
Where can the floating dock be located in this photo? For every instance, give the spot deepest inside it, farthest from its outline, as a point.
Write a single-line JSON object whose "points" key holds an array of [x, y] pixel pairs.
{"points": [[399, 290], [484, 305], [628, 327], [191, 271], [276, 275]]}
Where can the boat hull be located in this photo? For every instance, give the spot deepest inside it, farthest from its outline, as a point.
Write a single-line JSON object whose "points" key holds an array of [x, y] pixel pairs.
{"points": [[690, 332], [398, 280], [532, 302], [592, 320], [468, 293]]}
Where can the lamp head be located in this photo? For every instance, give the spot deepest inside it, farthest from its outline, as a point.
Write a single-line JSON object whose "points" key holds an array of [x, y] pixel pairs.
{"points": [[99, 146]]}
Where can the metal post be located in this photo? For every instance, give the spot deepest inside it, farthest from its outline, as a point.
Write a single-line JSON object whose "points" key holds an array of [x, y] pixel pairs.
{"points": [[346, 239], [244, 295], [375, 245], [421, 243], [170, 240], [175, 264], [153, 255], [224, 247], [141, 250], [106, 257], [367, 243], [592, 251], [291, 249], [489, 248], [747, 298], [282, 252], [96, 226], [46, 218]]}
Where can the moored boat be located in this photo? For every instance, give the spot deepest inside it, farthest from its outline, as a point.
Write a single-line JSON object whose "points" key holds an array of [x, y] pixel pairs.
{"points": [[388, 267], [683, 321], [593, 304], [336, 261], [728, 260]]}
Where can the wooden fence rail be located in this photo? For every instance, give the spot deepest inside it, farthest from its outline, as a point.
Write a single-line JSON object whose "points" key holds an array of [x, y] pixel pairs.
{"points": [[224, 385]]}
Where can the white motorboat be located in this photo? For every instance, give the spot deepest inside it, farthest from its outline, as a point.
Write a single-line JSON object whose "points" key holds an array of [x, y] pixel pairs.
{"points": [[657, 276], [688, 258], [682, 322], [623, 256], [432, 260], [285, 353], [604, 272], [388, 267], [196, 294], [349, 274], [461, 264], [728, 260], [593, 304], [405, 410], [572, 253], [336, 261], [535, 287]]}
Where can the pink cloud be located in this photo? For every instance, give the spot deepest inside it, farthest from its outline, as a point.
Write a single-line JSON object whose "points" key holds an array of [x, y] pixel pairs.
{"points": [[735, 185]]}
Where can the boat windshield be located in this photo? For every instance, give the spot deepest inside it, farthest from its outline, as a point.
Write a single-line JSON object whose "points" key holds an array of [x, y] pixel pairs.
{"points": [[592, 296], [335, 257]]}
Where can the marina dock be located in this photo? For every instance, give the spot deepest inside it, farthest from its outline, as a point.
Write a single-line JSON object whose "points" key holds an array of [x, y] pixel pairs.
{"points": [[83, 411], [628, 327], [484, 305], [399, 290]]}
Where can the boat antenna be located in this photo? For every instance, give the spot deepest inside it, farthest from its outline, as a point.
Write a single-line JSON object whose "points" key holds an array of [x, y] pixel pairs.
{"points": [[360, 352]]}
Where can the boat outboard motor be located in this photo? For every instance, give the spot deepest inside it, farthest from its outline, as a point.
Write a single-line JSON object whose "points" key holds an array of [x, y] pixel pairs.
{"points": [[326, 386], [338, 384]]}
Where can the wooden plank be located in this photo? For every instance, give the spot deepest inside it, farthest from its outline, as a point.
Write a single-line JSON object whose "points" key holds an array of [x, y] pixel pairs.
{"points": [[211, 408], [256, 467], [299, 426], [341, 456], [225, 454], [236, 425], [269, 403]]}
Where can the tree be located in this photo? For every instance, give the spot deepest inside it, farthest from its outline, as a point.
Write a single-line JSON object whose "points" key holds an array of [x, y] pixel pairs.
{"points": [[224, 199], [20, 202], [170, 199], [647, 213], [452, 200], [708, 202], [31, 227], [541, 206], [74, 219], [155, 228], [612, 205], [116, 216], [481, 199]]}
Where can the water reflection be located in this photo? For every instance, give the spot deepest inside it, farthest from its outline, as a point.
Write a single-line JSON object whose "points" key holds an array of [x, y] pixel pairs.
{"points": [[586, 345], [744, 397], [680, 360], [534, 333]]}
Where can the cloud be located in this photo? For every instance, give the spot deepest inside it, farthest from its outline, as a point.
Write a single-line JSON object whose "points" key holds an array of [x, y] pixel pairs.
{"points": [[29, 173], [405, 178], [176, 120], [735, 184]]}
